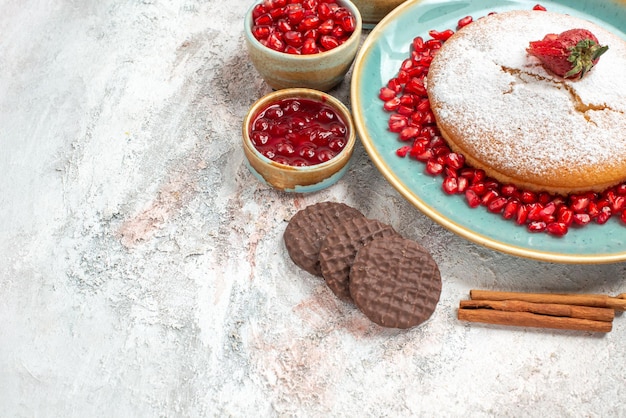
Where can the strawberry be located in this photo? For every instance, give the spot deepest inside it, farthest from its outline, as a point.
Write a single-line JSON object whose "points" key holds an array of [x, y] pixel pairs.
{"points": [[570, 54]]}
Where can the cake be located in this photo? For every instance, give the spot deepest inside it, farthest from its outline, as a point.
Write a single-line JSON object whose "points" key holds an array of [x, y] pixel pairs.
{"points": [[496, 104]]}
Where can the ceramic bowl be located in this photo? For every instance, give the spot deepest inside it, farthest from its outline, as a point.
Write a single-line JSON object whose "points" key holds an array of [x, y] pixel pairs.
{"points": [[372, 11], [321, 71], [297, 179]]}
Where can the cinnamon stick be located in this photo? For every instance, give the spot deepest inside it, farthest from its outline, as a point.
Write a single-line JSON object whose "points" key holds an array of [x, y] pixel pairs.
{"points": [[551, 309], [528, 319], [600, 301]]}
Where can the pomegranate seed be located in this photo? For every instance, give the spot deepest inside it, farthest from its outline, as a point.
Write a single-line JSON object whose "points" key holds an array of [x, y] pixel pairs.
{"points": [[348, 23], [467, 172], [491, 184], [511, 208], [535, 212], [408, 133], [293, 38], [418, 149], [604, 215], [264, 20], [480, 175], [463, 184], [544, 198], [311, 34], [403, 151], [391, 105], [432, 44], [339, 32], [283, 25], [508, 190], [441, 36], [261, 32], [309, 4], [539, 7], [489, 196], [565, 216], [450, 185], [258, 10], [424, 105], [559, 201], [443, 152], [436, 141], [416, 85], [277, 13], [579, 204], [616, 202], [547, 212], [464, 21], [407, 64], [581, 219], [447, 171], [295, 13], [403, 77], [434, 168], [622, 216], [479, 188], [309, 22], [404, 110], [395, 85], [537, 226], [323, 9], [418, 44], [275, 42], [473, 200], [329, 42], [407, 100], [528, 197], [454, 160], [593, 210], [397, 123], [496, 205], [557, 229], [621, 189], [423, 156], [429, 131], [326, 27], [522, 215]]}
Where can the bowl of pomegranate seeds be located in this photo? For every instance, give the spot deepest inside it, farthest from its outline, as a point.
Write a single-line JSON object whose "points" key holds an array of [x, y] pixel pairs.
{"points": [[298, 139], [308, 43], [372, 11]]}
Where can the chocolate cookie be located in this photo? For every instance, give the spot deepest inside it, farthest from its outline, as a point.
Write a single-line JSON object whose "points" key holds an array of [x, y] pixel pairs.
{"points": [[309, 226], [341, 245], [395, 282]]}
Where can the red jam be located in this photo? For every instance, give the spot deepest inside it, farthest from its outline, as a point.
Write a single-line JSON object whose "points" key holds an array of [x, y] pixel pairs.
{"points": [[299, 132], [302, 27]]}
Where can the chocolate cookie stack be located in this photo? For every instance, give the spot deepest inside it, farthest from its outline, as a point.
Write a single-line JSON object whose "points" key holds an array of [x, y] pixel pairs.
{"points": [[394, 281]]}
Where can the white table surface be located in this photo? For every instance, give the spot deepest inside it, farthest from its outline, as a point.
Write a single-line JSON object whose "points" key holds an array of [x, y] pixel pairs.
{"points": [[142, 269]]}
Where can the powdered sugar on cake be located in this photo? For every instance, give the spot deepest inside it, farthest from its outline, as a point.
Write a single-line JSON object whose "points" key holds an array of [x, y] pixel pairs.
{"points": [[538, 125]]}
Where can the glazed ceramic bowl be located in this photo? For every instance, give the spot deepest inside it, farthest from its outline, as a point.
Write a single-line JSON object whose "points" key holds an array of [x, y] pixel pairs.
{"points": [[372, 11], [321, 71], [291, 178]]}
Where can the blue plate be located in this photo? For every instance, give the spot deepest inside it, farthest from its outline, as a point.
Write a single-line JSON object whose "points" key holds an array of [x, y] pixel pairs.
{"points": [[379, 60]]}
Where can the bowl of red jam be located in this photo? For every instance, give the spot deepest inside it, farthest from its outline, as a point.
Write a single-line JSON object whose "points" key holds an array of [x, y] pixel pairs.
{"points": [[303, 43], [298, 139]]}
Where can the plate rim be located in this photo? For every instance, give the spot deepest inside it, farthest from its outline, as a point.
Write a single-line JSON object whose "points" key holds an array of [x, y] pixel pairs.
{"points": [[397, 183]]}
